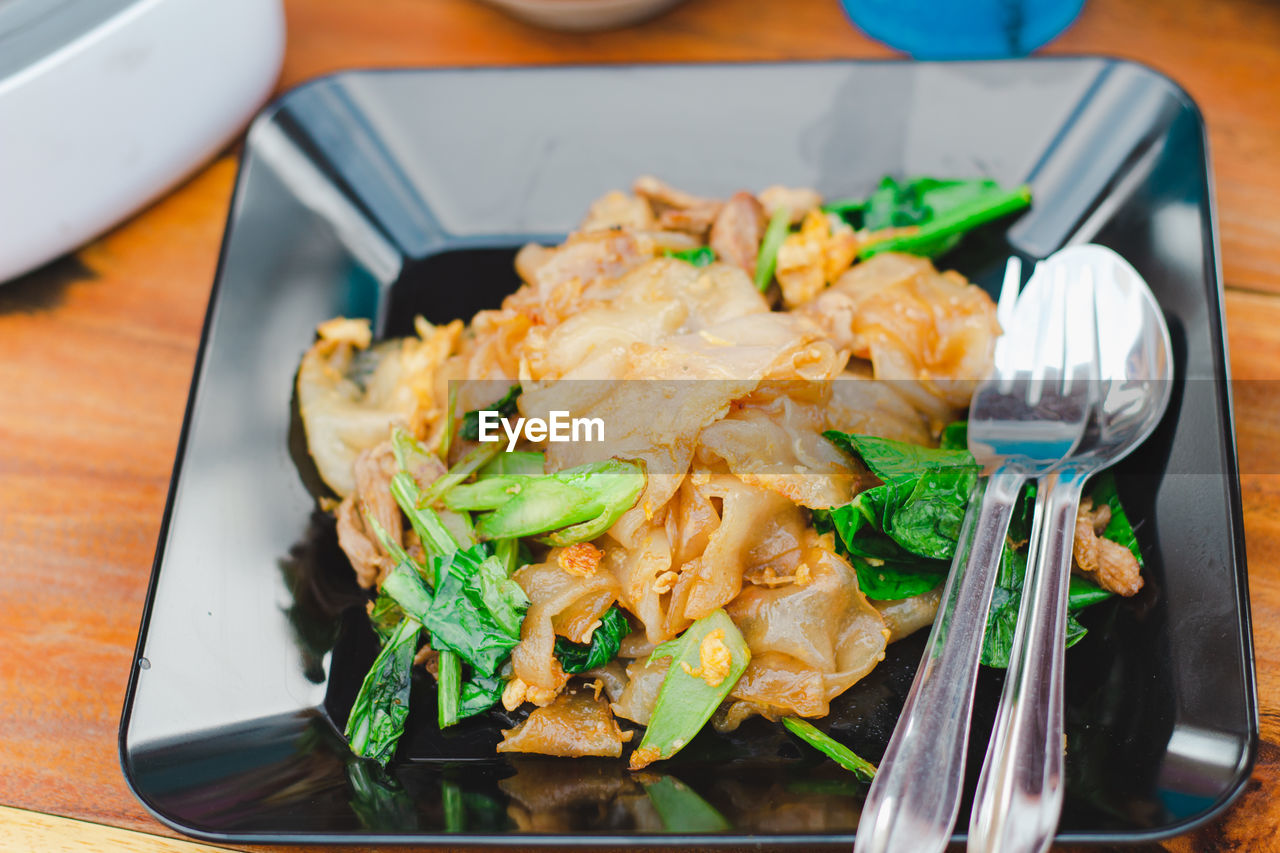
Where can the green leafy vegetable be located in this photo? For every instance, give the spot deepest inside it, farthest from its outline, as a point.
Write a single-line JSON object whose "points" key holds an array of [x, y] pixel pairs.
{"points": [[435, 537], [681, 809], [377, 718], [568, 506], [1102, 490], [830, 747], [850, 209], [1006, 600], [917, 510], [477, 609], [900, 536], [479, 694], [689, 696], [914, 202], [942, 209], [475, 459], [955, 436], [385, 615], [940, 233], [774, 233], [405, 585], [606, 639], [699, 257], [474, 617], [469, 429]]}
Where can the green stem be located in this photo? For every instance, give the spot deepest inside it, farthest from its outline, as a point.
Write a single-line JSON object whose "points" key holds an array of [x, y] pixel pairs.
{"points": [[830, 747], [959, 219], [476, 459], [452, 805], [774, 234], [448, 687], [435, 537], [507, 552], [408, 590]]}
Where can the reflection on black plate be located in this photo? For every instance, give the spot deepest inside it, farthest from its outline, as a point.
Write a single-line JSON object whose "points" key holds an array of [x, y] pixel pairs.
{"points": [[382, 194]]}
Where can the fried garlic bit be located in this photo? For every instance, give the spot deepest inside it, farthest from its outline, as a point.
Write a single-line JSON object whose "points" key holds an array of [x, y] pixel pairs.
{"points": [[581, 559], [664, 582], [804, 575], [714, 659], [517, 692]]}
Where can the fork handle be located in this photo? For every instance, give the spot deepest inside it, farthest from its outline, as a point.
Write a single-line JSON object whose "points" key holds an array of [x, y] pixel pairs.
{"points": [[1019, 796], [913, 802]]}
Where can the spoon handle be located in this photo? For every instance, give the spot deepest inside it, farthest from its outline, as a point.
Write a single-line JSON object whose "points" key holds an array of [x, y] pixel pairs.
{"points": [[1019, 796], [915, 797]]}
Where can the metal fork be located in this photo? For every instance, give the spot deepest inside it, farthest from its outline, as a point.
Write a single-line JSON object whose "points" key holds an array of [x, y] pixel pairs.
{"points": [[1022, 422], [1019, 796]]}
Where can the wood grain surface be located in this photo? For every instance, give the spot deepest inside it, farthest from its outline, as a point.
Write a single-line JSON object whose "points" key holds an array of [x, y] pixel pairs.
{"points": [[97, 350]]}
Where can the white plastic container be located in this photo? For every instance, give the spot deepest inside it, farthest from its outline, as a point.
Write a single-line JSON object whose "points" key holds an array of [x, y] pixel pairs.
{"points": [[105, 104]]}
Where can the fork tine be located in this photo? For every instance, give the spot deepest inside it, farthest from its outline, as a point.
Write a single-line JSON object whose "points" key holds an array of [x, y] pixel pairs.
{"points": [[1050, 339], [1081, 346]]}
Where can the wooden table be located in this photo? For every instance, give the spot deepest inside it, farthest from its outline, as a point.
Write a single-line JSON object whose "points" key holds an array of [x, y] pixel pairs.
{"points": [[96, 355]]}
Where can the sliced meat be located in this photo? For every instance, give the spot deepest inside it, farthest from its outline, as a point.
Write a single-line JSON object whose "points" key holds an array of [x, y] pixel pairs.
{"points": [[357, 543], [797, 200], [617, 210], [736, 232], [1111, 565], [676, 210], [373, 470]]}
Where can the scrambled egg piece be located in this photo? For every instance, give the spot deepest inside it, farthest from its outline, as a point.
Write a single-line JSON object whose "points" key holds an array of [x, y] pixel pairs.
{"points": [[824, 247], [714, 659]]}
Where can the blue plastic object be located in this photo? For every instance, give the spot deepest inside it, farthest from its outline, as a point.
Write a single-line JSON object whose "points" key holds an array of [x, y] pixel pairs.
{"points": [[963, 29]]}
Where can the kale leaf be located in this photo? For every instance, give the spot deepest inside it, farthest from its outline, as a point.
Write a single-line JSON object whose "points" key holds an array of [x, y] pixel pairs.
{"points": [[469, 430], [699, 257], [476, 609], [901, 535], [606, 639], [915, 512], [376, 721], [479, 694]]}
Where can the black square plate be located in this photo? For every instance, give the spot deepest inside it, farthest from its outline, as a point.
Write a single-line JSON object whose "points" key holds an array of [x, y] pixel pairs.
{"points": [[381, 194]]}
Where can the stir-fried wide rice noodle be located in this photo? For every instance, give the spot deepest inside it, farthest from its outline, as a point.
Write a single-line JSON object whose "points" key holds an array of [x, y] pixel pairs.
{"points": [[577, 723], [644, 681], [905, 616], [718, 395], [809, 641], [773, 438], [350, 395], [560, 602], [912, 322]]}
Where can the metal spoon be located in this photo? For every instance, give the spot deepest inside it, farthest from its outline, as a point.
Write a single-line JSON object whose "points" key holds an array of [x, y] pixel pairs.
{"points": [[1023, 421], [1019, 797]]}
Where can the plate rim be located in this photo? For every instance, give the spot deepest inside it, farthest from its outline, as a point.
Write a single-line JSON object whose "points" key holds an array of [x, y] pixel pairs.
{"points": [[1215, 291]]}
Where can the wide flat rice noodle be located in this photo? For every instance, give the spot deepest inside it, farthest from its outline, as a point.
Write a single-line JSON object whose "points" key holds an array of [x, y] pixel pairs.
{"points": [[555, 594], [576, 724]]}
